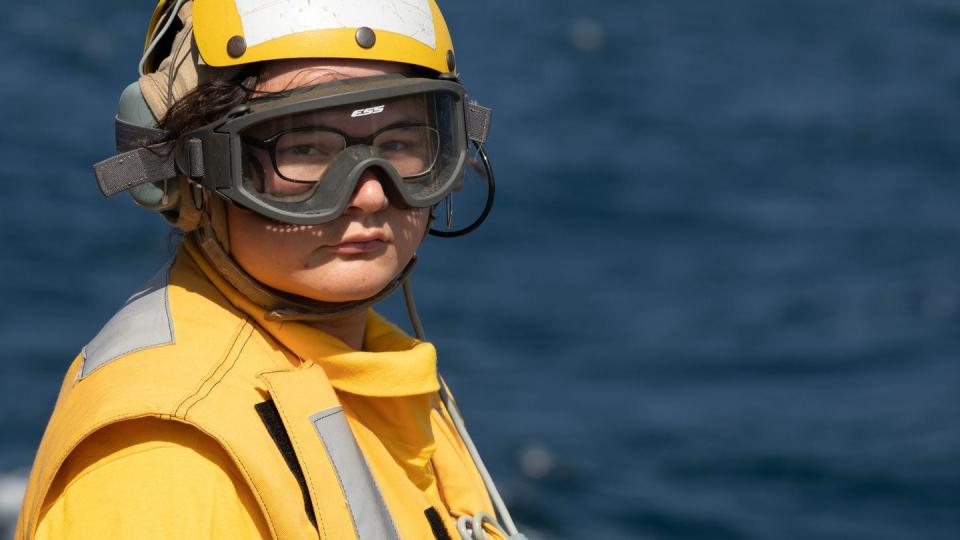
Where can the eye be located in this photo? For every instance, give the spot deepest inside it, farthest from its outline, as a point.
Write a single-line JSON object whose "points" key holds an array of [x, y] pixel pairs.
{"points": [[303, 150], [400, 141], [394, 146], [310, 145], [410, 149]]}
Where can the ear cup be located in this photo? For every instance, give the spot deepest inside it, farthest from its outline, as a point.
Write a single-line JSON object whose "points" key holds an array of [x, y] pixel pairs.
{"points": [[162, 196]]}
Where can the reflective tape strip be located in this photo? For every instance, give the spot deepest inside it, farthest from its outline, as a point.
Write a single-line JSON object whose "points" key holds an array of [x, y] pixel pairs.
{"points": [[371, 519], [263, 21], [143, 322]]}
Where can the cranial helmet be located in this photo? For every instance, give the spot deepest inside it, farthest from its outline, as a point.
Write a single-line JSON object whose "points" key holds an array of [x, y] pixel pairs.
{"points": [[235, 32]]}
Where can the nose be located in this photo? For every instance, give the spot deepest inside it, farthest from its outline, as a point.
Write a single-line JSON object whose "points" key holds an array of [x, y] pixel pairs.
{"points": [[369, 196]]}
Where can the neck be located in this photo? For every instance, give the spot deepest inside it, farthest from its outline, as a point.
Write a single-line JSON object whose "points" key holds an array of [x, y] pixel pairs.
{"points": [[350, 328]]}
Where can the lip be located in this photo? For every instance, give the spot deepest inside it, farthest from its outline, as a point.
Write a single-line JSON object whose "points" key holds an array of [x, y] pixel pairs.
{"points": [[360, 243]]}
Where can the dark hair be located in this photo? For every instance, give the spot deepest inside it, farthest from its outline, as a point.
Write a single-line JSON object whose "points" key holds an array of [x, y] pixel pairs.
{"points": [[210, 101]]}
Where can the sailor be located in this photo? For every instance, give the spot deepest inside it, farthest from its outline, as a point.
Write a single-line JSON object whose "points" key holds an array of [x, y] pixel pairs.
{"points": [[249, 390]]}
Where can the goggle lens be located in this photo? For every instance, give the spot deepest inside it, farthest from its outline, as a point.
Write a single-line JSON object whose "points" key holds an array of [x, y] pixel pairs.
{"points": [[305, 162], [303, 155]]}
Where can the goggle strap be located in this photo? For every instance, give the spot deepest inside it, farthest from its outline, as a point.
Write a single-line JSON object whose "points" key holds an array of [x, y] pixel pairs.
{"points": [[478, 121], [134, 168], [130, 136]]}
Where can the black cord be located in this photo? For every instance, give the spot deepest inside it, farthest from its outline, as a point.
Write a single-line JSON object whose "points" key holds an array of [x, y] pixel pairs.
{"points": [[491, 193]]}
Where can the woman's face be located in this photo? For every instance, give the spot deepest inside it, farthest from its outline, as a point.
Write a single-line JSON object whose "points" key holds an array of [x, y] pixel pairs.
{"points": [[350, 258]]}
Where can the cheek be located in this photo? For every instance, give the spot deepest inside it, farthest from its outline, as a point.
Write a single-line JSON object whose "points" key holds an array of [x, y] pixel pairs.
{"points": [[260, 246], [244, 234], [410, 228]]}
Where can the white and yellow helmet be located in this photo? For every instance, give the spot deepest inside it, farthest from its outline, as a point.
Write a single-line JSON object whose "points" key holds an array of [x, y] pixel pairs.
{"points": [[236, 32]]}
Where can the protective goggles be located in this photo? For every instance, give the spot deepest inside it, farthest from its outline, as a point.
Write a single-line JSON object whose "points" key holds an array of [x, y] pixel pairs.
{"points": [[297, 157]]}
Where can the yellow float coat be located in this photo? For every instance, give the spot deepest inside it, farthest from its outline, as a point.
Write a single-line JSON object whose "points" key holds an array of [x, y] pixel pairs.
{"points": [[165, 442]]}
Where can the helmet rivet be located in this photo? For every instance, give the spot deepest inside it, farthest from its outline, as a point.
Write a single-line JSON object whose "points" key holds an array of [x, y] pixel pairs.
{"points": [[236, 46], [366, 37], [451, 61]]}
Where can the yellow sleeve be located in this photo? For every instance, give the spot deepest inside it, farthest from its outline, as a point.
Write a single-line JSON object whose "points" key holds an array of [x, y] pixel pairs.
{"points": [[150, 478]]}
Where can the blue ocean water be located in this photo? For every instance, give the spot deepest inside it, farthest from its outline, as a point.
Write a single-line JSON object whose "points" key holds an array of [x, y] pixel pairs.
{"points": [[718, 297]]}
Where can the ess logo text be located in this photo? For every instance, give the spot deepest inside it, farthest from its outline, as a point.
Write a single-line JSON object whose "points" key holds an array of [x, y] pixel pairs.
{"points": [[367, 112]]}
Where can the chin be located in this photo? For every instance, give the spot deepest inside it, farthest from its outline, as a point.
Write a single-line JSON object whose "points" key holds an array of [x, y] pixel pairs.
{"points": [[341, 295], [339, 290]]}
